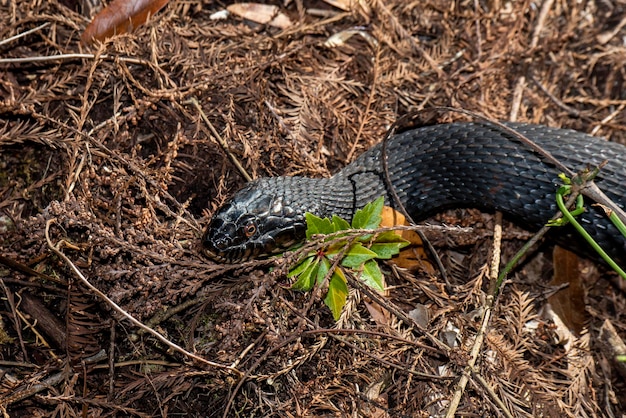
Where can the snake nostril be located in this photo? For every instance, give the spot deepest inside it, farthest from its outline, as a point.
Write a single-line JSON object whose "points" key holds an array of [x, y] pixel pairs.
{"points": [[222, 243]]}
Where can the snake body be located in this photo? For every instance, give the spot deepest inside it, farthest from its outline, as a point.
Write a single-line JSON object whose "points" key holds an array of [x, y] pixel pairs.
{"points": [[431, 168]]}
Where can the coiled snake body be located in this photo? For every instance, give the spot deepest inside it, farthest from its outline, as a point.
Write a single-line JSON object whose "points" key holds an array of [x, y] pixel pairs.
{"points": [[431, 168]]}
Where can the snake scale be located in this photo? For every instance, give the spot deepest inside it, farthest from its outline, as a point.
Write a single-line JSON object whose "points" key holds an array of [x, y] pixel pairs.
{"points": [[431, 168]]}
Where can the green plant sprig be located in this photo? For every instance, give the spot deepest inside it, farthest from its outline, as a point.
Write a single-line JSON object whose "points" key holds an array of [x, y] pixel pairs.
{"points": [[347, 251], [614, 218], [571, 188], [569, 217]]}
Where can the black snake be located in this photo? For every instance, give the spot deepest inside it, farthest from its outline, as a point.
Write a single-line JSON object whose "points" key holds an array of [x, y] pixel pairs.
{"points": [[431, 168]]}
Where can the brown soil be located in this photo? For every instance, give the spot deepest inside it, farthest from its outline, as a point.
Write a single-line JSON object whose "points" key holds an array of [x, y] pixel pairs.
{"points": [[111, 156]]}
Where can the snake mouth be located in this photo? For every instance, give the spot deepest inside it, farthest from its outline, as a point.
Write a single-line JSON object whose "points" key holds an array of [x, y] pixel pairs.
{"points": [[232, 256], [250, 251], [239, 253], [218, 257]]}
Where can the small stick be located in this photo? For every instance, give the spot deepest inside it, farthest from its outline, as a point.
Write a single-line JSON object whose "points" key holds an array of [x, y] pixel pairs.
{"points": [[21, 35], [570, 110], [492, 393], [62, 57], [521, 82], [488, 308], [219, 139]]}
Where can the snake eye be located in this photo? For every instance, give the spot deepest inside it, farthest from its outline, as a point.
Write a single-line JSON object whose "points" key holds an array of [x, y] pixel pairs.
{"points": [[249, 229]]}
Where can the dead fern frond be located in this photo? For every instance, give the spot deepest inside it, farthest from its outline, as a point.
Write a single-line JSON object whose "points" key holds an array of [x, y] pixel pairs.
{"points": [[83, 325], [519, 311]]}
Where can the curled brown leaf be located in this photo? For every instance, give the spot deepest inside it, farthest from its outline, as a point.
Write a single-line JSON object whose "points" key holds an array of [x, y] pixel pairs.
{"points": [[121, 16]]}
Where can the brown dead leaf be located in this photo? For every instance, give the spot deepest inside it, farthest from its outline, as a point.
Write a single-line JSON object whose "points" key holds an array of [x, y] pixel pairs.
{"points": [[376, 392], [414, 256], [340, 4], [568, 303], [379, 314], [612, 346], [261, 13], [121, 16], [349, 5]]}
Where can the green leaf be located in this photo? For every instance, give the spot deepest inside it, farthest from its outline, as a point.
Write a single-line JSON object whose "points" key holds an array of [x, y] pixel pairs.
{"points": [[337, 293], [372, 276], [370, 216], [335, 249], [390, 236], [307, 278], [316, 225], [322, 271], [386, 250], [616, 221], [301, 266], [339, 224], [566, 180], [357, 255]]}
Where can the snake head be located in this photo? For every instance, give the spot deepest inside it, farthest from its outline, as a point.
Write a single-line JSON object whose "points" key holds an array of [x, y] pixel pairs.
{"points": [[257, 222]]}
